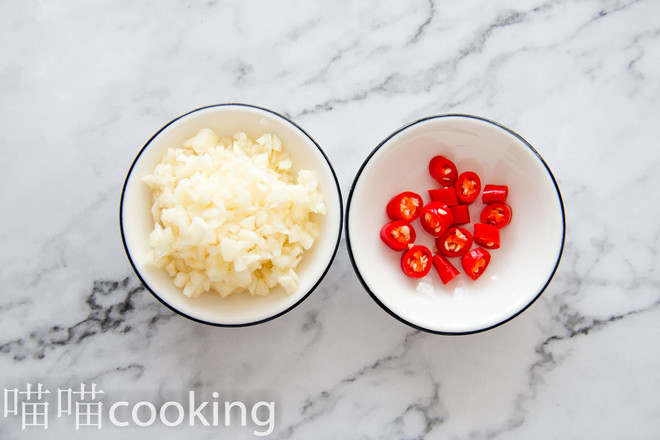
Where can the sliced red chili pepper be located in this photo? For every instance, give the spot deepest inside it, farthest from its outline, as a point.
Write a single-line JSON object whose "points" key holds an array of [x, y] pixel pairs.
{"points": [[475, 262], [443, 170], [398, 235], [486, 235], [404, 206], [496, 214], [444, 195], [494, 194], [455, 242], [416, 262], [461, 214], [468, 187], [435, 218], [445, 269]]}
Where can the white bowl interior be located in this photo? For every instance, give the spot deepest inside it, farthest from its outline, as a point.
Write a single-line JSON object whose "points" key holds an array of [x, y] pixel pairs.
{"points": [[137, 222], [531, 244]]}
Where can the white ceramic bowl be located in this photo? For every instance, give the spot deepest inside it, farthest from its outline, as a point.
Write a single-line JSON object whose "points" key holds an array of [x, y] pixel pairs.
{"points": [[136, 221], [531, 244]]}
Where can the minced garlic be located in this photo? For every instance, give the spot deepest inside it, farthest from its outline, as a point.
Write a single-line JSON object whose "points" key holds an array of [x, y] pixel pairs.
{"points": [[230, 216]]}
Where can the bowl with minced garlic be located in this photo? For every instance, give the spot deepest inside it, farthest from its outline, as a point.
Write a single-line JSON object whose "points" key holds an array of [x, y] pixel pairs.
{"points": [[231, 215]]}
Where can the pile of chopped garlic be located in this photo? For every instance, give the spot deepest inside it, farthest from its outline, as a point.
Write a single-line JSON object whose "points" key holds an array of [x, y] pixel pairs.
{"points": [[230, 216]]}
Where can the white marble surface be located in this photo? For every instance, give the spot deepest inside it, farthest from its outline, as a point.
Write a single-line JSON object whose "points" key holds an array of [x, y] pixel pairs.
{"points": [[84, 85]]}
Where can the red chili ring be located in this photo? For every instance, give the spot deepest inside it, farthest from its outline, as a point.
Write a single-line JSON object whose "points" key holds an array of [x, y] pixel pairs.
{"points": [[475, 262], [486, 235], [435, 218], [416, 262], [404, 206], [398, 235], [444, 195], [455, 242], [443, 171], [494, 194], [445, 269], [496, 214], [468, 187]]}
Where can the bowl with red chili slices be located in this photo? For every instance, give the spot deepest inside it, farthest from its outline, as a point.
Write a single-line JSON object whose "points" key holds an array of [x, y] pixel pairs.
{"points": [[455, 224]]}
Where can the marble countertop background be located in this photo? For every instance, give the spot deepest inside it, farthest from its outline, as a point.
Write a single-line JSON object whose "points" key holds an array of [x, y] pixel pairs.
{"points": [[83, 85]]}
